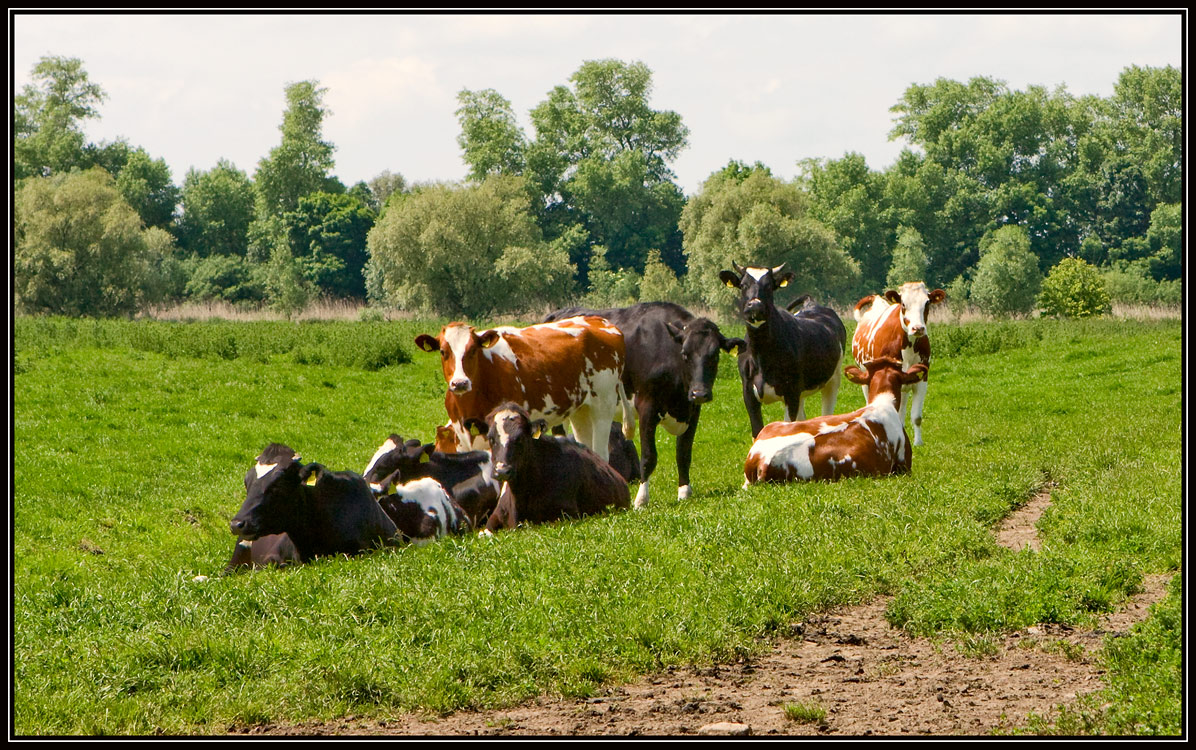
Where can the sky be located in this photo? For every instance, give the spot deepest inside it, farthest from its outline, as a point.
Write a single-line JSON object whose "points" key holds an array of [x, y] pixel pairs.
{"points": [[774, 88]]}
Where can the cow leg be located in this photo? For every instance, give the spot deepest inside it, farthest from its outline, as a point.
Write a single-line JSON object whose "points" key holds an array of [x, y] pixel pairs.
{"points": [[915, 409], [586, 431], [753, 408], [798, 414], [685, 447], [649, 419], [830, 392]]}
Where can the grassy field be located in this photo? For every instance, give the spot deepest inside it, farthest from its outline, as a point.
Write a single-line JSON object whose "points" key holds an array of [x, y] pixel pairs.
{"points": [[131, 440]]}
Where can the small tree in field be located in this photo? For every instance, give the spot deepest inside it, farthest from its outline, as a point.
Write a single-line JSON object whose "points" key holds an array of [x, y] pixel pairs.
{"points": [[909, 258], [1007, 277], [1074, 289]]}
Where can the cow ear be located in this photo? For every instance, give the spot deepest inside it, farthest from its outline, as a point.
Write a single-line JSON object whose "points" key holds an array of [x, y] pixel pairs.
{"points": [[856, 375], [729, 278], [539, 427], [427, 343], [675, 331], [894, 296], [425, 455], [736, 343], [914, 374], [938, 295], [310, 474], [785, 279], [488, 338]]}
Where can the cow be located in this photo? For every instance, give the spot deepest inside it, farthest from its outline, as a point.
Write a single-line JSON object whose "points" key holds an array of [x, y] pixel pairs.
{"points": [[789, 355], [545, 478], [672, 361], [271, 549], [870, 441], [466, 477], [323, 512], [565, 371], [894, 325], [422, 509]]}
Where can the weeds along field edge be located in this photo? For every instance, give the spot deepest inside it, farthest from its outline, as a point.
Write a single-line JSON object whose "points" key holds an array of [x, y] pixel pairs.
{"points": [[130, 447]]}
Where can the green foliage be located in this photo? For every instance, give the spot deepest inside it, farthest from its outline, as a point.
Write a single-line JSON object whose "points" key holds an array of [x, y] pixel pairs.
{"points": [[957, 295], [80, 249], [217, 210], [301, 164], [328, 234], [1074, 289], [491, 139], [659, 283], [47, 116], [1007, 278], [465, 251], [610, 287], [146, 185], [228, 278], [1166, 237], [1131, 284], [909, 259], [760, 220]]}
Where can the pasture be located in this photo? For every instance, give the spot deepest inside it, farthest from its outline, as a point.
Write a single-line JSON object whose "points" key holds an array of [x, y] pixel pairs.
{"points": [[131, 439]]}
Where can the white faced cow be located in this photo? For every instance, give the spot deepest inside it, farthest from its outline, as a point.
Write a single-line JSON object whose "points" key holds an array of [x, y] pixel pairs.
{"points": [[568, 370], [870, 441], [895, 326]]}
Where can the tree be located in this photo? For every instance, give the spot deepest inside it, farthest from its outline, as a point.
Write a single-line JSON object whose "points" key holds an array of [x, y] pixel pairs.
{"points": [[147, 186], [385, 185], [79, 249], [1007, 277], [909, 259], [755, 219], [465, 251], [217, 210], [328, 238], [659, 283], [302, 163], [1074, 289], [47, 135], [491, 139]]}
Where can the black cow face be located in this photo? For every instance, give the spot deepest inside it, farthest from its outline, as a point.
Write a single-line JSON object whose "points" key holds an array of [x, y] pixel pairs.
{"points": [[396, 455], [271, 487], [511, 433], [757, 287], [701, 343]]}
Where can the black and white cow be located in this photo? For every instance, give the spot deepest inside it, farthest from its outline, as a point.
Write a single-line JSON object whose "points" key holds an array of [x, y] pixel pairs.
{"points": [[422, 509], [467, 477], [788, 355], [545, 478], [672, 361], [323, 512]]}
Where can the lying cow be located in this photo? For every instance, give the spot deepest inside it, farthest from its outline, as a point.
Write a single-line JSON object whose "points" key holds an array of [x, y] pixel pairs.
{"points": [[565, 371], [323, 512], [789, 355], [467, 477], [894, 325], [546, 479], [263, 552], [869, 441], [421, 509], [672, 361]]}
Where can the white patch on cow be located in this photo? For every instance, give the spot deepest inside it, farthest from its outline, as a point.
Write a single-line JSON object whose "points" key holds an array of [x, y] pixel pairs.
{"points": [[503, 422], [432, 498], [757, 273], [641, 496], [244, 543], [791, 451], [263, 469], [502, 348], [457, 338], [375, 486], [486, 533], [672, 425], [387, 447], [914, 296], [824, 429], [683, 492], [769, 396]]}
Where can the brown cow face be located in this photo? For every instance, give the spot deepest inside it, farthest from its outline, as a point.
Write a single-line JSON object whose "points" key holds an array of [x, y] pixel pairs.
{"points": [[915, 300], [884, 375], [459, 346]]}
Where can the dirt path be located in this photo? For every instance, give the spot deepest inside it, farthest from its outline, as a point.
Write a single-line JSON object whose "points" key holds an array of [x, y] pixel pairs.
{"points": [[862, 676]]}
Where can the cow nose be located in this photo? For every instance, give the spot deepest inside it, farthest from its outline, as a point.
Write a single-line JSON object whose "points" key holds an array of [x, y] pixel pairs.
{"points": [[918, 330], [459, 386], [700, 396], [236, 526], [502, 470]]}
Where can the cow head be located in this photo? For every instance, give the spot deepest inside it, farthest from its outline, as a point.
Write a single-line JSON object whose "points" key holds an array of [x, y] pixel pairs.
{"points": [[701, 343], [272, 492], [757, 287], [885, 376], [915, 300], [459, 346], [454, 438], [512, 433], [392, 456]]}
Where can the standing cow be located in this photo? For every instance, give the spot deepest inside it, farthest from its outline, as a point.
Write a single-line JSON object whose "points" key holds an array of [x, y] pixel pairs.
{"points": [[788, 355], [895, 326], [870, 441], [568, 370], [672, 361]]}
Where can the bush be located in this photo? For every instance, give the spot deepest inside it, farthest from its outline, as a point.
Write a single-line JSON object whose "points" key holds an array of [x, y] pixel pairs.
{"points": [[1131, 284], [1007, 278], [1074, 289]]}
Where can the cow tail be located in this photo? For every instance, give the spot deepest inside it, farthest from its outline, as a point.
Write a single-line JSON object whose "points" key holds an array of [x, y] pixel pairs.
{"points": [[628, 412]]}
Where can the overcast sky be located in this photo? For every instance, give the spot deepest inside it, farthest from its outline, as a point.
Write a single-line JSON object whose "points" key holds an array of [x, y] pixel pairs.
{"points": [[192, 89]]}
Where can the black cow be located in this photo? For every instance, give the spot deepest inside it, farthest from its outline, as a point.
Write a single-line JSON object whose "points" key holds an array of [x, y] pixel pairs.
{"points": [[546, 479], [323, 512], [271, 549], [467, 477], [788, 355], [672, 361]]}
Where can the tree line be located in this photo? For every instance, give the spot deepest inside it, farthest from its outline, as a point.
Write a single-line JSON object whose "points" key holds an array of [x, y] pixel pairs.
{"points": [[997, 189]]}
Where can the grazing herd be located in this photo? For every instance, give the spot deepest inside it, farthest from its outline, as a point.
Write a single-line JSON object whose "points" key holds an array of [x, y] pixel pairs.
{"points": [[496, 464]]}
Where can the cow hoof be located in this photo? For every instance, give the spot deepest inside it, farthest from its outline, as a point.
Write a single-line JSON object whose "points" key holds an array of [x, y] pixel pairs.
{"points": [[683, 492], [746, 484], [641, 497], [917, 441], [485, 533], [200, 578]]}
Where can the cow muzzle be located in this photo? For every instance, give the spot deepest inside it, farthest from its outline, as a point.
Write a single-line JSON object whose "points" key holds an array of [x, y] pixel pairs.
{"points": [[460, 386], [242, 528], [754, 312], [700, 395], [502, 471]]}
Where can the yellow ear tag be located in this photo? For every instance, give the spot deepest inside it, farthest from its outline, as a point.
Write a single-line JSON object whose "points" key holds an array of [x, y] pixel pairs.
{"points": [[424, 458], [536, 432], [311, 481], [784, 283], [731, 285]]}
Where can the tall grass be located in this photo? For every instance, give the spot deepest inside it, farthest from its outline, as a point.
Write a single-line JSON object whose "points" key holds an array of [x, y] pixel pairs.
{"points": [[130, 443]]}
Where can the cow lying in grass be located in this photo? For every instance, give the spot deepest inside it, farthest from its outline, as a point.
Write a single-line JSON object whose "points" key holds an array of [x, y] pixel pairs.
{"points": [[423, 510], [546, 479], [466, 477], [322, 512], [869, 441]]}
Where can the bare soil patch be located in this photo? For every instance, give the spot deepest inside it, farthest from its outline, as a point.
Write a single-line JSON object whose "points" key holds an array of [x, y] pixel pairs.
{"points": [[851, 672]]}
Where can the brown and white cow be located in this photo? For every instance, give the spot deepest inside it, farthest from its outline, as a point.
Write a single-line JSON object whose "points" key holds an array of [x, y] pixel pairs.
{"points": [[894, 325], [870, 441], [565, 371]]}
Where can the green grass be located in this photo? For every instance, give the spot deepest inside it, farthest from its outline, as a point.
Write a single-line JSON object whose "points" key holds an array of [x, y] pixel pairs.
{"points": [[804, 713], [130, 444]]}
